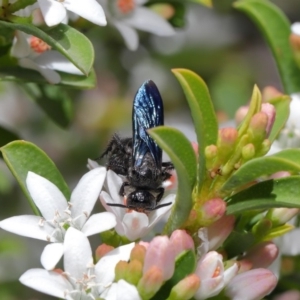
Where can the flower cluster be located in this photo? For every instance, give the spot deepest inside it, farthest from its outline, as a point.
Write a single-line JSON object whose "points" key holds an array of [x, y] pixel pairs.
{"points": [[125, 15]]}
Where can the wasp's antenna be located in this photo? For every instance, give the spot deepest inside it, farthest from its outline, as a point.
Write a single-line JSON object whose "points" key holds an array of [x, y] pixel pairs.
{"points": [[162, 205], [118, 205]]}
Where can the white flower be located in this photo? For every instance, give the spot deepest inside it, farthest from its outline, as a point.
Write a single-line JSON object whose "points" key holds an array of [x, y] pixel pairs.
{"points": [[131, 224], [81, 279], [129, 15], [35, 54], [214, 278], [55, 11], [289, 136], [58, 214]]}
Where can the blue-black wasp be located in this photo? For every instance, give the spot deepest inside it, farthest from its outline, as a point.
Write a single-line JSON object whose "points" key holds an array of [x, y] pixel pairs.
{"points": [[139, 159]]}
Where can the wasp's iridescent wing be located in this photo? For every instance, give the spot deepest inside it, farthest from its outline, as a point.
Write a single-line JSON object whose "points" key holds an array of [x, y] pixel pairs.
{"points": [[147, 113]]}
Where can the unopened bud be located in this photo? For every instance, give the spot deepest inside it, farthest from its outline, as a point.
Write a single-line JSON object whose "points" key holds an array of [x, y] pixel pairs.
{"points": [[248, 152], [270, 92], [103, 250], [121, 270], [181, 241], [262, 255], [264, 148], [186, 288], [270, 111], [219, 231], [138, 253], [211, 152], [280, 216], [227, 138], [241, 114], [195, 147], [150, 283], [212, 210], [134, 272], [257, 128]]}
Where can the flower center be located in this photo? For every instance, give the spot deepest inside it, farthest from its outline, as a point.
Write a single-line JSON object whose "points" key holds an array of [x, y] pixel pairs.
{"points": [[126, 6], [38, 45], [217, 272]]}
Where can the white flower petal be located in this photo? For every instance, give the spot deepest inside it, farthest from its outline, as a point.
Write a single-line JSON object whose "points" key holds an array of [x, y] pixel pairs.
{"points": [[87, 191], [20, 47], [105, 267], [53, 11], [54, 60], [230, 273], [90, 10], [129, 35], [126, 291], [50, 283], [92, 164], [98, 223], [114, 183], [118, 211], [27, 226], [47, 197], [50, 75], [295, 27], [51, 255], [147, 20], [135, 224], [156, 215], [77, 253]]}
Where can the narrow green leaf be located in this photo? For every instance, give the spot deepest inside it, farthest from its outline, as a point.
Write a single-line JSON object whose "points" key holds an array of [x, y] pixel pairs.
{"points": [[22, 157], [207, 3], [183, 157], [284, 192], [16, 73], [202, 111], [185, 264], [286, 160], [54, 101], [282, 106], [275, 27], [278, 231], [254, 107], [68, 41]]}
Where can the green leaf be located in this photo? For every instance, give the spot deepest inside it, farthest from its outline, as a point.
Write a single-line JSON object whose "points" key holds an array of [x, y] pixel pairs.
{"points": [[68, 41], [16, 73], [286, 160], [185, 264], [183, 157], [203, 114], [22, 157], [207, 3], [238, 242], [283, 192], [282, 106], [275, 27]]}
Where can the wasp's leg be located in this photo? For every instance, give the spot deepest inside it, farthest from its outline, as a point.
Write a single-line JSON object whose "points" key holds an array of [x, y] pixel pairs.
{"points": [[115, 142], [160, 192], [122, 189]]}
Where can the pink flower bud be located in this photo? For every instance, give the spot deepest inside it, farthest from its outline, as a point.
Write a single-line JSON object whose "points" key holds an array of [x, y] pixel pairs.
{"points": [[257, 127], [219, 231], [270, 111], [186, 288], [241, 114], [195, 147], [181, 241], [212, 210], [255, 284], [211, 152], [270, 92], [102, 250], [138, 253], [289, 295], [160, 253], [227, 137], [150, 283], [262, 255]]}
